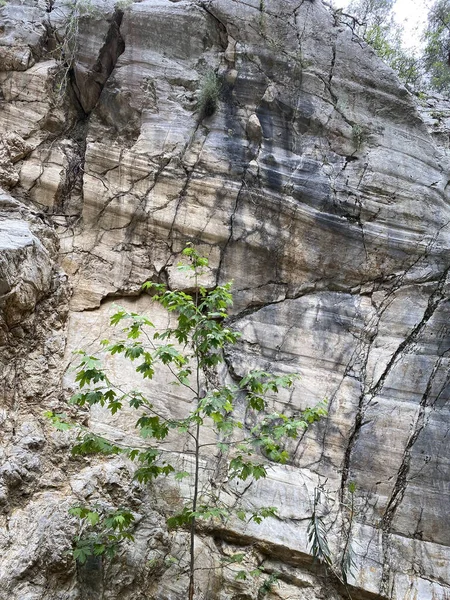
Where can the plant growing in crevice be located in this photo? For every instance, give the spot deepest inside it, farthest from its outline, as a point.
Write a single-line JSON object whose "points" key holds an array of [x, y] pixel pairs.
{"points": [[317, 530], [101, 531], [262, 15], [209, 94], [67, 39], [360, 135], [348, 558], [190, 350], [343, 565], [267, 585]]}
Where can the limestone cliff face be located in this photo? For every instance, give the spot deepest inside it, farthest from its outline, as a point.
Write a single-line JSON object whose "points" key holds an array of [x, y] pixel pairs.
{"points": [[318, 188]]}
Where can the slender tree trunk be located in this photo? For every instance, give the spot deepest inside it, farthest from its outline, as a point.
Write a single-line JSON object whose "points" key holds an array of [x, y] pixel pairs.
{"points": [[193, 522], [196, 471]]}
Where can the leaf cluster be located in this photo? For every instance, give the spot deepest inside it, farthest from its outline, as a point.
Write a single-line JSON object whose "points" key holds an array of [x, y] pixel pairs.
{"points": [[102, 531], [267, 585], [317, 532], [343, 566], [209, 94]]}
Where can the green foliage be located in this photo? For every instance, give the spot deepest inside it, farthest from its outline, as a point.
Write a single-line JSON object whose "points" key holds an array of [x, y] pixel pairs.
{"points": [[191, 346], [317, 531], [437, 49], [348, 558], [102, 531], [267, 585], [94, 444], [374, 22], [318, 528], [387, 43], [209, 94], [352, 487], [59, 421], [372, 12], [359, 135]]}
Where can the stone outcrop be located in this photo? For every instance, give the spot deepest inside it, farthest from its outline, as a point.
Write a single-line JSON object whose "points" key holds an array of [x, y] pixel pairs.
{"points": [[320, 186]]}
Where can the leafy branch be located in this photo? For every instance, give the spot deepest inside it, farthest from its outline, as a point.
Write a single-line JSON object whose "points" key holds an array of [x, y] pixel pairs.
{"points": [[101, 531], [318, 536]]}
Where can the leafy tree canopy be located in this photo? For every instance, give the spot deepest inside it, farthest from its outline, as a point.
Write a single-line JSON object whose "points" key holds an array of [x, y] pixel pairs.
{"points": [[437, 49], [374, 22]]}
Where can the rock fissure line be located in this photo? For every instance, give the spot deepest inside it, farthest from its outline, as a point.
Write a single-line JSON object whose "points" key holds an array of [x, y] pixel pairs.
{"points": [[88, 87], [401, 482], [366, 397], [434, 301]]}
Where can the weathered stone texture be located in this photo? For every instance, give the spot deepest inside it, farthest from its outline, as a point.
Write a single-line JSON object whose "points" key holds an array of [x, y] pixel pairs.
{"points": [[320, 187]]}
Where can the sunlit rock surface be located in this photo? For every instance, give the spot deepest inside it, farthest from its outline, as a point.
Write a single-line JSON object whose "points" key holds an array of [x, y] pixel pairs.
{"points": [[320, 186]]}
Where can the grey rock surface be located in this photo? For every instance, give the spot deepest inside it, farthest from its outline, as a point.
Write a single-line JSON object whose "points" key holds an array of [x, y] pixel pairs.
{"points": [[320, 186]]}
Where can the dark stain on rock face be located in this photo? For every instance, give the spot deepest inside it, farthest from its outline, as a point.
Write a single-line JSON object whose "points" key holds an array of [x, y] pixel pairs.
{"points": [[267, 118], [277, 120], [91, 578], [117, 112], [233, 147], [209, 108], [88, 83], [303, 115]]}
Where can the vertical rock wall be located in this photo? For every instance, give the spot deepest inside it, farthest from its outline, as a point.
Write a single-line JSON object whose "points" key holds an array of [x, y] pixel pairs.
{"points": [[317, 187]]}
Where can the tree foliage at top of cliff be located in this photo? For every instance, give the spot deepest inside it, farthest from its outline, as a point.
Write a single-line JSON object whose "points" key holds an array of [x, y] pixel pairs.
{"points": [[437, 49], [374, 22], [428, 69], [372, 12]]}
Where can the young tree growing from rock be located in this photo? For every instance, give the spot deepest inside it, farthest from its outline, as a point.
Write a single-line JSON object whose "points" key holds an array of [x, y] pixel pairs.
{"points": [[191, 350]]}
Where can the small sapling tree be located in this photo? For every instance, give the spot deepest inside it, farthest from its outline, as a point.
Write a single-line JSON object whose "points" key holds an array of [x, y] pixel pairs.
{"points": [[190, 351]]}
